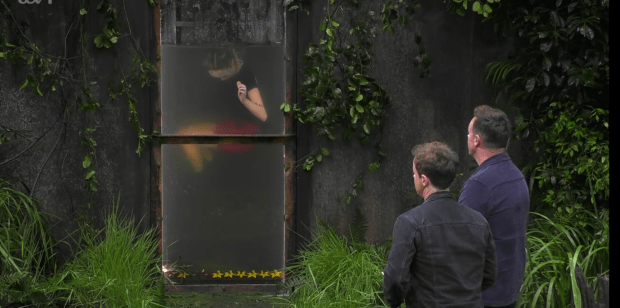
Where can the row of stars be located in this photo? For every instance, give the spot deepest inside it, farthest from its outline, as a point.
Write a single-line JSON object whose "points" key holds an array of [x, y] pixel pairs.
{"points": [[240, 274]]}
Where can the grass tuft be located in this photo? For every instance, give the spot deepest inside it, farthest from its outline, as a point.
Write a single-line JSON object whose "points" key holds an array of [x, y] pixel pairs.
{"points": [[331, 272], [555, 248], [116, 267]]}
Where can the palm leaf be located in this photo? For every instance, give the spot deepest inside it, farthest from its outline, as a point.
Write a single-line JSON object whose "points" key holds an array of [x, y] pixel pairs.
{"points": [[359, 227], [498, 71]]}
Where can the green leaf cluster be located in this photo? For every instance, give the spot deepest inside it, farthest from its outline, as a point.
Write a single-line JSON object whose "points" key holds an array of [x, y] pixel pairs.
{"points": [[54, 78], [335, 272], [26, 248], [573, 171], [400, 10], [558, 77], [482, 7], [110, 33], [555, 247]]}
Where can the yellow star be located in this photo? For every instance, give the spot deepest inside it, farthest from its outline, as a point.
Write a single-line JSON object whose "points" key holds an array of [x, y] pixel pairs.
{"points": [[275, 274], [229, 274], [263, 274], [241, 274], [182, 275], [252, 274], [217, 275]]}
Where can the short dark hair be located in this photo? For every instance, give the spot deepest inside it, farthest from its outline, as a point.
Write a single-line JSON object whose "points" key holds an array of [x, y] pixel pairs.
{"points": [[220, 57], [437, 161], [493, 126]]}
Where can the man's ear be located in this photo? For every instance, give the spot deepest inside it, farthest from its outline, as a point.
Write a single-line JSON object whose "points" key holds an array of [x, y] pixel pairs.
{"points": [[425, 180], [477, 140]]}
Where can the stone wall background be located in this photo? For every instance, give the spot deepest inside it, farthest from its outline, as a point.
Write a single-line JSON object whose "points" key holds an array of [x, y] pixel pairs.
{"points": [[435, 108]]}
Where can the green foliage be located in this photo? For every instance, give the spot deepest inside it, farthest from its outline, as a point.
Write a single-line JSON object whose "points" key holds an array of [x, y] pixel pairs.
{"points": [[573, 171], [333, 272], [555, 247], [110, 33], [56, 79], [26, 249], [116, 266], [479, 6], [299, 5], [559, 79], [339, 95], [397, 11]]}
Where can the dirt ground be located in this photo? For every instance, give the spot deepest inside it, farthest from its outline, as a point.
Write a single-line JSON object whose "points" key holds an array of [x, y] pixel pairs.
{"points": [[222, 300]]}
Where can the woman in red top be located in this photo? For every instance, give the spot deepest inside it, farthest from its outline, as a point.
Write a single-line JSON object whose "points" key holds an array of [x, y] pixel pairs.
{"points": [[245, 111]]}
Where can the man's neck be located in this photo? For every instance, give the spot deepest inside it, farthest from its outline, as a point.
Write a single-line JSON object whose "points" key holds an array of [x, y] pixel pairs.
{"points": [[431, 190], [483, 154]]}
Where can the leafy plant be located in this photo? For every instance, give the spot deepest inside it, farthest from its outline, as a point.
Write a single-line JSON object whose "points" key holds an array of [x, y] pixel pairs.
{"points": [[116, 266], [559, 80], [479, 6], [333, 272], [26, 249], [555, 248], [58, 79], [574, 170]]}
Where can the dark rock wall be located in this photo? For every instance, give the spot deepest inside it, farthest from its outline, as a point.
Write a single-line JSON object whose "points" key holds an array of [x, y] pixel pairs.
{"points": [[438, 107], [49, 134]]}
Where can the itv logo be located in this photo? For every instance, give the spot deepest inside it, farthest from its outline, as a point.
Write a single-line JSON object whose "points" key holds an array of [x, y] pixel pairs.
{"points": [[33, 1]]}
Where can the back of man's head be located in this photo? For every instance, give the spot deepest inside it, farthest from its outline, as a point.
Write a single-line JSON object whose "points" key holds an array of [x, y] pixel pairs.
{"points": [[493, 126], [437, 161]]}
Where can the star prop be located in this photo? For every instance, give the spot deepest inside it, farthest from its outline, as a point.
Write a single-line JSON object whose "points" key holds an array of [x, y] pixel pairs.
{"points": [[276, 274], [229, 274], [217, 275], [263, 274], [241, 274], [252, 274], [182, 275]]}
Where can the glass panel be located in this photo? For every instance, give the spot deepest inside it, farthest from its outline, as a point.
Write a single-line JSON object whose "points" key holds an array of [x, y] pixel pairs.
{"points": [[201, 85], [223, 208]]}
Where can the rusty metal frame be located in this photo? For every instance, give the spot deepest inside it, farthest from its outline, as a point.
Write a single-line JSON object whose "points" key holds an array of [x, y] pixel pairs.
{"points": [[288, 139]]}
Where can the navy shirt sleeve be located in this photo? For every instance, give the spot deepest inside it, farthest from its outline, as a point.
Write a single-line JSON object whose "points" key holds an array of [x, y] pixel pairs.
{"points": [[490, 263], [476, 196], [396, 273]]}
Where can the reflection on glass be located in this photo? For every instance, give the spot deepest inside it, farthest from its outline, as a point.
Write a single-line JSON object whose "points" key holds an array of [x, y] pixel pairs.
{"points": [[227, 217], [222, 90]]}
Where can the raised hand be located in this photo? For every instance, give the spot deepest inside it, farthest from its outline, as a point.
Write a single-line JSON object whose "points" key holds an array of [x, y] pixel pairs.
{"points": [[242, 92]]}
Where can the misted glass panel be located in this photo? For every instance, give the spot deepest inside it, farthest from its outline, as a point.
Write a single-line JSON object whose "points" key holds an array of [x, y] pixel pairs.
{"points": [[223, 211], [222, 90]]}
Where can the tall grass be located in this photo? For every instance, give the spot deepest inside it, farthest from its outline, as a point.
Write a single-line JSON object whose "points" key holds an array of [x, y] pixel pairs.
{"points": [[555, 248], [26, 248], [331, 272], [117, 266]]}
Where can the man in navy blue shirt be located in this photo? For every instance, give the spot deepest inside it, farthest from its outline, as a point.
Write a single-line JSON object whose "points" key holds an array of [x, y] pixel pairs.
{"points": [[442, 252], [499, 192]]}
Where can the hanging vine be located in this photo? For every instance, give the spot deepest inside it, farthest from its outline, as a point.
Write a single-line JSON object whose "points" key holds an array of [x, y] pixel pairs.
{"points": [[64, 80], [340, 97]]}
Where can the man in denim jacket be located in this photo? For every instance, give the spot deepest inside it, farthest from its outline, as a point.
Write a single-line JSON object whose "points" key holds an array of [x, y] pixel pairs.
{"points": [[499, 192], [442, 253]]}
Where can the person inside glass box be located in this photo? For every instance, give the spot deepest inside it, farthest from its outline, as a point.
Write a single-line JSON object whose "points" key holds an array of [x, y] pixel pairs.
{"points": [[240, 109]]}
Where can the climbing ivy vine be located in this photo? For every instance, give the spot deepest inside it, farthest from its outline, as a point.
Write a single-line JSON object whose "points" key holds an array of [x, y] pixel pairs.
{"points": [[558, 77], [340, 97], [58, 78]]}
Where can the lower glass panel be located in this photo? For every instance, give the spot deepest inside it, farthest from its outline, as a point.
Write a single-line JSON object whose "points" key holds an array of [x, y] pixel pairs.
{"points": [[223, 213]]}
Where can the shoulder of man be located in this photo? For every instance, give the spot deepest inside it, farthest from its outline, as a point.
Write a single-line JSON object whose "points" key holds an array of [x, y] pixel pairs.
{"points": [[411, 216]]}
